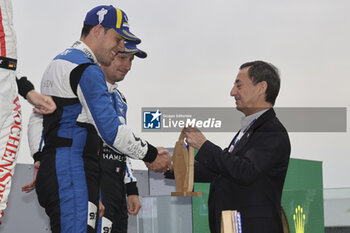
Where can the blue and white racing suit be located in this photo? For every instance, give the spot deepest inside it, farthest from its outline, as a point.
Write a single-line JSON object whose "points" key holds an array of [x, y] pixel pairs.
{"points": [[68, 178], [117, 179]]}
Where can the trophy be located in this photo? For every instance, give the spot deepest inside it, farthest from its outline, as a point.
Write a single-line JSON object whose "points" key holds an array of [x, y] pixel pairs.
{"points": [[183, 163]]}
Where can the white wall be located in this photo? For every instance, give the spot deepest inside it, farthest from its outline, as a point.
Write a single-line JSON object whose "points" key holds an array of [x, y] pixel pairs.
{"points": [[195, 48]]}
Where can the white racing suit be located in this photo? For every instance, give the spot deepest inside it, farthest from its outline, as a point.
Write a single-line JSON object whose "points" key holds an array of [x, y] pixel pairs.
{"points": [[10, 108]]}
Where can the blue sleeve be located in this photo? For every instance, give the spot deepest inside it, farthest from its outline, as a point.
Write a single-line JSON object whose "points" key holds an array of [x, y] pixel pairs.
{"points": [[98, 110]]}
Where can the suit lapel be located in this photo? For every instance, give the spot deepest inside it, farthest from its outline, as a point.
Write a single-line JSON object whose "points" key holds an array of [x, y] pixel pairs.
{"points": [[245, 138], [241, 143], [234, 138]]}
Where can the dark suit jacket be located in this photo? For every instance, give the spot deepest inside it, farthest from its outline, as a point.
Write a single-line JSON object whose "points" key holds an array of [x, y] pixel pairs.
{"points": [[249, 179]]}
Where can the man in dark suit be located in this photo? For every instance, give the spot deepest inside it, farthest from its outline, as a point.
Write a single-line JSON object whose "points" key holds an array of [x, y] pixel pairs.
{"points": [[248, 176]]}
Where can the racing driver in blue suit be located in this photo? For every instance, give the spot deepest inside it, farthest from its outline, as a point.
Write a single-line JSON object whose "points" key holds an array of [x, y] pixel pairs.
{"points": [[117, 178], [67, 181]]}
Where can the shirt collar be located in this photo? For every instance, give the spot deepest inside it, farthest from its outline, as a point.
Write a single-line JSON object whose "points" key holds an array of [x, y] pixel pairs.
{"points": [[247, 121], [86, 50], [112, 87]]}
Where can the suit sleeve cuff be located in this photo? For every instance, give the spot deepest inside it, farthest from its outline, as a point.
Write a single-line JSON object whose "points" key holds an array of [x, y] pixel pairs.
{"points": [[204, 153], [151, 154], [131, 189], [204, 148], [24, 86], [37, 156]]}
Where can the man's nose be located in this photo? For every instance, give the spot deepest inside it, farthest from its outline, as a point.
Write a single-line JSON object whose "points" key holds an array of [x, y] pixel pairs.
{"points": [[233, 91], [127, 65]]}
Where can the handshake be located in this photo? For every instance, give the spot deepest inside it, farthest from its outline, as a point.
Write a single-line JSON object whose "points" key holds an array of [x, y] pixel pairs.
{"points": [[162, 163]]}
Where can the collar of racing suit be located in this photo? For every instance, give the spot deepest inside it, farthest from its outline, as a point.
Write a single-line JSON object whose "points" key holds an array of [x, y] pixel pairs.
{"points": [[86, 50], [112, 87]]}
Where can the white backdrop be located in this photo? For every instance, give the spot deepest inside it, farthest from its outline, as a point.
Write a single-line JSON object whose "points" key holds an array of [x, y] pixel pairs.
{"points": [[195, 48]]}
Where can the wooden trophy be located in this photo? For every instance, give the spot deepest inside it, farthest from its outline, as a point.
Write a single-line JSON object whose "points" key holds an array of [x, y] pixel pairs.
{"points": [[231, 221], [183, 163]]}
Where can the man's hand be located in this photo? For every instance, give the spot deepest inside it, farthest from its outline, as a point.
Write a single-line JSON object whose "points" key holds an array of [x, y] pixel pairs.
{"points": [[134, 204], [194, 137], [31, 186], [101, 209], [162, 163], [42, 104]]}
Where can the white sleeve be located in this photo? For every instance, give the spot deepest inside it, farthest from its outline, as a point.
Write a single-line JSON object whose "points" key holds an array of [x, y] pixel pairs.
{"points": [[35, 133], [129, 176]]}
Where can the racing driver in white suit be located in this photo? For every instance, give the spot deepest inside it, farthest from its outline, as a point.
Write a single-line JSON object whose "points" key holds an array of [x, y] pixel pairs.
{"points": [[10, 108]]}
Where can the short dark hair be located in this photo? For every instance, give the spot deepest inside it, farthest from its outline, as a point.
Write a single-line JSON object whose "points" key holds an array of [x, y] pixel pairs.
{"points": [[262, 71], [87, 28]]}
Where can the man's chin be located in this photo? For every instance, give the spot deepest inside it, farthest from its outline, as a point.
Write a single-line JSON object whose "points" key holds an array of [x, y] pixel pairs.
{"points": [[105, 62], [240, 109], [121, 77]]}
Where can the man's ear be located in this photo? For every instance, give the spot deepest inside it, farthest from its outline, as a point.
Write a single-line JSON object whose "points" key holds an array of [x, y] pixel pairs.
{"points": [[97, 30], [262, 87]]}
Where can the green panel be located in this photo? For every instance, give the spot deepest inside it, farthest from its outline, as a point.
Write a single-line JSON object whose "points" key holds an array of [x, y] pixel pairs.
{"points": [[303, 187], [303, 174], [303, 196], [200, 209]]}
